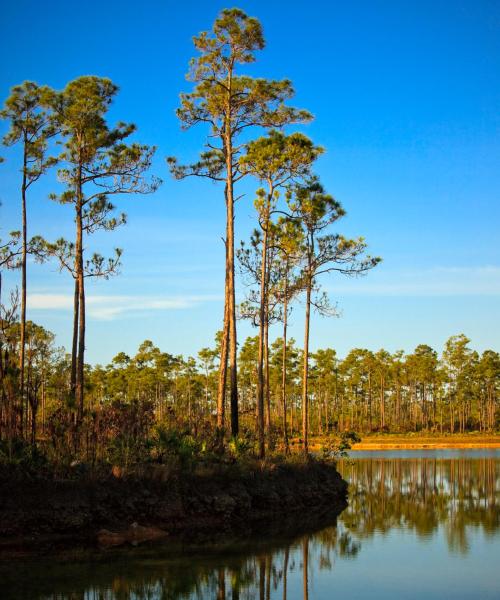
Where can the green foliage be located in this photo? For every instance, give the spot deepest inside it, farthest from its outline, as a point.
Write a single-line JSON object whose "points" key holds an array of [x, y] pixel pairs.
{"points": [[241, 445], [338, 446], [32, 125], [277, 158], [126, 450], [226, 101], [18, 454], [96, 163], [171, 443]]}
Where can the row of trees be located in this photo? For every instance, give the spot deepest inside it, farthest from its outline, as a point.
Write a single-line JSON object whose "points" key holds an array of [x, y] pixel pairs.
{"points": [[137, 398], [366, 391]]}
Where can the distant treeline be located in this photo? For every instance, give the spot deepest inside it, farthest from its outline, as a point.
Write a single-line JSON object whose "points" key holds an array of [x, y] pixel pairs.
{"points": [[161, 403]]}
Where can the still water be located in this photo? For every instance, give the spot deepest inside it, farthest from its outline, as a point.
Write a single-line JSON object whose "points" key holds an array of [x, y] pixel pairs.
{"points": [[420, 524]]}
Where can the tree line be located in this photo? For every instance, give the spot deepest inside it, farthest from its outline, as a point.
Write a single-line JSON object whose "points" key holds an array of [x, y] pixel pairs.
{"points": [[168, 403], [296, 243]]}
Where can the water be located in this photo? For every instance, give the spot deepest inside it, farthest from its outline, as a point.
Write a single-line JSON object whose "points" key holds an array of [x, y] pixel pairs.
{"points": [[420, 524]]}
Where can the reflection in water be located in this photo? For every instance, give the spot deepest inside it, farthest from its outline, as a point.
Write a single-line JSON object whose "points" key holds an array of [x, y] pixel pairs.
{"points": [[429, 499], [422, 494]]}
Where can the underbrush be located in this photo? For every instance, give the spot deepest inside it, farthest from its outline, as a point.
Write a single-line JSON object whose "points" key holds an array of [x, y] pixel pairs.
{"points": [[163, 454]]}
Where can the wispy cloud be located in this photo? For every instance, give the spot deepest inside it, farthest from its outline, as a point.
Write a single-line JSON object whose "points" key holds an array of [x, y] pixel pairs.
{"points": [[111, 307], [439, 281]]}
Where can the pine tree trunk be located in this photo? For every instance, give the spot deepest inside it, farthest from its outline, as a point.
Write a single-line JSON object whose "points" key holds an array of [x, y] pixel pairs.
{"points": [[369, 402], [260, 360], [262, 578], [81, 300], [22, 341], [382, 402], [74, 345], [283, 365], [305, 569], [221, 587], [233, 365], [398, 406], [221, 390], [81, 348], [33, 423], [267, 389], [305, 372], [285, 573]]}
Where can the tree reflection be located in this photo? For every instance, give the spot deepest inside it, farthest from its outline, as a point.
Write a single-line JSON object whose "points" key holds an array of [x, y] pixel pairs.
{"points": [[423, 495]]}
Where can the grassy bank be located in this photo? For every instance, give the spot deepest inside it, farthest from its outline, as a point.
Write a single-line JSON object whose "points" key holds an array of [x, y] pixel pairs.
{"points": [[408, 441]]}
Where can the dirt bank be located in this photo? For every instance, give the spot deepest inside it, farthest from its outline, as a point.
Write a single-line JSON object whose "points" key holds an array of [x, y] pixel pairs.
{"points": [[43, 512]]}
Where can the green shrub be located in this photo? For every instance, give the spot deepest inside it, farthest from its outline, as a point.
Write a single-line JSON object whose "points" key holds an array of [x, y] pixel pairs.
{"points": [[180, 444], [338, 446]]}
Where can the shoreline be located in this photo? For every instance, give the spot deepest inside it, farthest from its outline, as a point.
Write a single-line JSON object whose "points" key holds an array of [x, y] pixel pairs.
{"points": [[363, 447], [427, 442], [419, 442], [47, 515]]}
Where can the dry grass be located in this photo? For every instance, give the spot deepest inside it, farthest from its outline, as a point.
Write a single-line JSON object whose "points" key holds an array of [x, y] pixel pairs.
{"points": [[405, 441]]}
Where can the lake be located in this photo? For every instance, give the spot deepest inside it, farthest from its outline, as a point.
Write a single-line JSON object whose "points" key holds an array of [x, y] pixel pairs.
{"points": [[420, 524]]}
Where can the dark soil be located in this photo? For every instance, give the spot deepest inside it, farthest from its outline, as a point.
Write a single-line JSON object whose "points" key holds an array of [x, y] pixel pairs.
{"points": [[42, 515]]}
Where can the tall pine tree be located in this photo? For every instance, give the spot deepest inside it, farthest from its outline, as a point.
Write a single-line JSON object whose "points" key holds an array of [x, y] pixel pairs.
{"points": [[230, 104]]}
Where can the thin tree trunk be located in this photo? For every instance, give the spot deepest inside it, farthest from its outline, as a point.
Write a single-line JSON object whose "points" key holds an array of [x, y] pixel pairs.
{"points": [[398, 406], [305, 568], [283, 365], [22, 341], [262, 578], [260, 359], [34, 409], [327, 413], [285, 573], [268, 576], [382, 402], [81, 347], [221, 588], [369, 401], [233, 365], [74, 345], [221, 391], [81, 299], [267, 390], [305, 376]]}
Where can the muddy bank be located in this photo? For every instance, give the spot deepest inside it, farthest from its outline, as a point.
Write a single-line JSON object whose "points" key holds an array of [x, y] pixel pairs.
{"points": [[54, 513]]}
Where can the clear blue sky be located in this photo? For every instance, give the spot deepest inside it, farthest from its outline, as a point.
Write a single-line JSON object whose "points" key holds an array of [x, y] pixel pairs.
{"points": [[406, 97]]}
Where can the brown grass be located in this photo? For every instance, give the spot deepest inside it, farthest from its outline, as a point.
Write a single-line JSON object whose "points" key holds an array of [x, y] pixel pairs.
{"points": [[405, 442], [419, 441]]}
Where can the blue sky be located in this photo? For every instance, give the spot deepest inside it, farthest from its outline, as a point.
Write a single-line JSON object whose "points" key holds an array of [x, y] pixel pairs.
{"points": [[406, 99]]}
